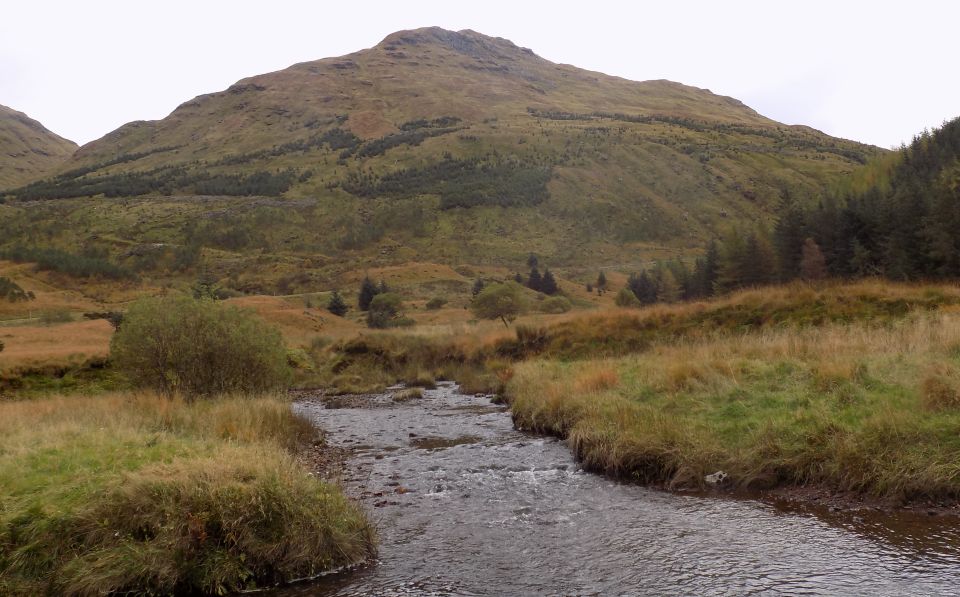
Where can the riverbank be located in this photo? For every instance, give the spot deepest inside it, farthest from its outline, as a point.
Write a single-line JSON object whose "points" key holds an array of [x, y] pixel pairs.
{"points": [[134, 493], [862, 409]]}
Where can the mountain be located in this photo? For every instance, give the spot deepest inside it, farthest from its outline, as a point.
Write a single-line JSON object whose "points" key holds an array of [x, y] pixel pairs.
{"points": [[27, 149], [450, 147]]}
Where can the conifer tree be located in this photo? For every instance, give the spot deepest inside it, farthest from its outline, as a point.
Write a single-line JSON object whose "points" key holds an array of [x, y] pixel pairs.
{"points": [[368, 290], [643, 287], [668, 289], [548, 285], [789, 235], [337, 305], [601, 283], [705, 271], [535, 281]]}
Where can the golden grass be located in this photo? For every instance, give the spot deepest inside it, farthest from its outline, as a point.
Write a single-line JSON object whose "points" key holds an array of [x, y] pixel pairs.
{"points": [[596, 378], [135, 493], [68, 343], [860, 407]]}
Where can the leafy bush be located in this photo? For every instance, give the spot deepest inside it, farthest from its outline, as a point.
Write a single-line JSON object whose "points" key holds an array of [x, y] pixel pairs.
{"points": [[386, 311], [626, 298], [556, 304], [179, 345], [503, 301]]}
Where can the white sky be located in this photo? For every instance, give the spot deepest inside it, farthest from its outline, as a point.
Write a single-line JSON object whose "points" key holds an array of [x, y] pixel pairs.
{"points": [[877, 72]]}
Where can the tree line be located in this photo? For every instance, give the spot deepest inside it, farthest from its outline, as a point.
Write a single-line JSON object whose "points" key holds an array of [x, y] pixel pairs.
{"points": [[903, 227]]}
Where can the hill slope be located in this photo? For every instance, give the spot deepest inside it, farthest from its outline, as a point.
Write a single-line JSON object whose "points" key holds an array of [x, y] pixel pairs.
{"points": [[443, 146], [27, 149]]}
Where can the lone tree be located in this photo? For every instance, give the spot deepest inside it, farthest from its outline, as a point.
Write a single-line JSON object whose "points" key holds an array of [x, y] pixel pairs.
{"points": [[368, 290], [813, 266], [503, 301], [548, 285], [198, 348], [337, 305], [601, 283]]}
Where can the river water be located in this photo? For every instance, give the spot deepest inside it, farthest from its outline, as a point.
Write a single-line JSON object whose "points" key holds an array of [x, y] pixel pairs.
{"points": [[467, 505]]}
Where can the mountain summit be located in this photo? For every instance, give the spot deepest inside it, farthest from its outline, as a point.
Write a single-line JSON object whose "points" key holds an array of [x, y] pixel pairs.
{"points": [[414, 74], [456, 146]]}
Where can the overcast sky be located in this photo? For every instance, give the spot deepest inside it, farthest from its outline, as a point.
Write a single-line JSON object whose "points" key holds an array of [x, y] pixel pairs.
{"points": [[877, 72]]}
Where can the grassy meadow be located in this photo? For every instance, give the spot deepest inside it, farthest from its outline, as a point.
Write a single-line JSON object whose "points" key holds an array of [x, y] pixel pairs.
{"points": [[129, 492], [866, 404]]}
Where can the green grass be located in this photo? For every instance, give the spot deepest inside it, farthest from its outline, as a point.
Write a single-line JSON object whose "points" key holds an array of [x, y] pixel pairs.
{"points": [[866, 408], [133, 493]]}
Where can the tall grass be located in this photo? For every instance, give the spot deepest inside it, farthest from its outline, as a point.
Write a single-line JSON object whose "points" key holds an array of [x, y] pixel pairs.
{"points": [[859, 407], [371, 362], [132, 493]]}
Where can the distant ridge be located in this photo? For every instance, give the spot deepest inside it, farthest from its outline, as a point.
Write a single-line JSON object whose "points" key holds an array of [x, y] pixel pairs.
{"points": [[27, 149]]}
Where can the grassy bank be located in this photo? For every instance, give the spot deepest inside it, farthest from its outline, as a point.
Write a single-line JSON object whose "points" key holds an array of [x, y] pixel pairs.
{"points": [[133, 493], [867, 407]]}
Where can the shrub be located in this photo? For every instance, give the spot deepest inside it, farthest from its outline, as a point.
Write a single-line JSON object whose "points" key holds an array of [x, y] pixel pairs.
{"points": [[337, 305], [626, 298], [436, 303], [179, 345], [556, 304], [386, 311]]}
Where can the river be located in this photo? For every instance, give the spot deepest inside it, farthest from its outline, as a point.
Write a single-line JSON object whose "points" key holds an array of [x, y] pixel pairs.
{"points": [[467, 505]]}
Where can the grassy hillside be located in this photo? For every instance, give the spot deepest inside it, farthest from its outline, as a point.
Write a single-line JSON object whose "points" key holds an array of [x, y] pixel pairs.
{"points": [[27, 149], [440, 146]]}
